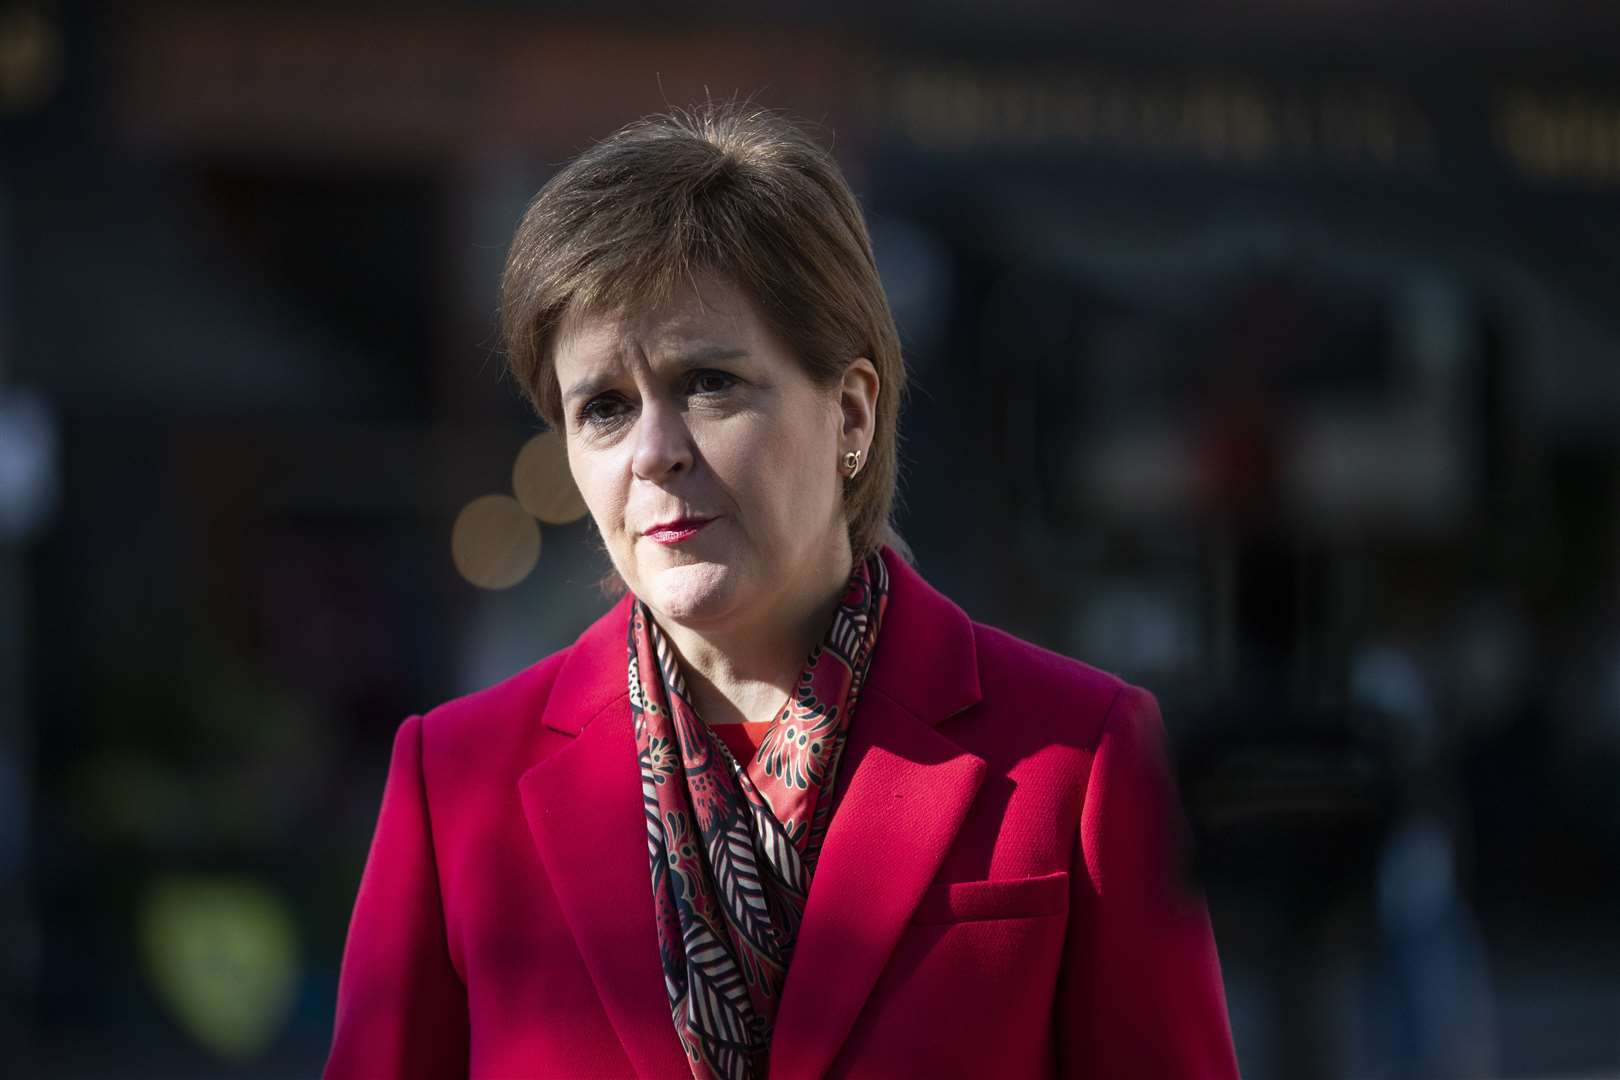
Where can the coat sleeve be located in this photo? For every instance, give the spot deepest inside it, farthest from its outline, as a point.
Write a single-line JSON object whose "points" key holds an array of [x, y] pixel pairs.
{"points": [[401, 1007], [1140, 993]]}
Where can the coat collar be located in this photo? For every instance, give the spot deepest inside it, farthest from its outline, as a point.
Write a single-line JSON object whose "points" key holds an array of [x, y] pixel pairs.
{"points": [[899, 778]]}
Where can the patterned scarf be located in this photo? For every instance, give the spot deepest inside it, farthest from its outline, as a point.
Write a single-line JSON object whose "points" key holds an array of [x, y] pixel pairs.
{"points": [[732, 849]]}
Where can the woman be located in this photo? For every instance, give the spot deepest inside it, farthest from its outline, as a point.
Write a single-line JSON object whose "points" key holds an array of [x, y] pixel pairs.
{"points": [[784, 809]]}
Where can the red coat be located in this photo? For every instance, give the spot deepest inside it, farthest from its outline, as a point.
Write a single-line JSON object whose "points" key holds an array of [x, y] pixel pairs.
{"points": [[993, 898]]}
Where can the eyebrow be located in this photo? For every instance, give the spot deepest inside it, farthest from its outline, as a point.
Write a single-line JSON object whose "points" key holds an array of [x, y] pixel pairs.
{"points": [[592, 385]]}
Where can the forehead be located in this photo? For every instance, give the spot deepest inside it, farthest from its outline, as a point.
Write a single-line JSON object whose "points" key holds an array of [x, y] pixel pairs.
{"points": [[711, 313]]}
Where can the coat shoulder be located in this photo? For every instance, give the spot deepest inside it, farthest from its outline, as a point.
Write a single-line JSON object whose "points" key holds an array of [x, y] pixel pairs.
{"points": [[1019, 675], [500, 723]]}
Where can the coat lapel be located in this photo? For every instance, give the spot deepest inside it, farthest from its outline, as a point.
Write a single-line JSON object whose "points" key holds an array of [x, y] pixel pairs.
{"points": [[902, 793], [583, 805], [906, 790]]}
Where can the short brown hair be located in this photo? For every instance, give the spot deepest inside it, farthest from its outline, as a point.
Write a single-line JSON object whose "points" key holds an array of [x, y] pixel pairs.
{"points": [[727, 188]]}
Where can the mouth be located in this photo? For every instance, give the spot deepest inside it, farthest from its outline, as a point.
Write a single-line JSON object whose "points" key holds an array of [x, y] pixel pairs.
{"points": [[677, 531]]}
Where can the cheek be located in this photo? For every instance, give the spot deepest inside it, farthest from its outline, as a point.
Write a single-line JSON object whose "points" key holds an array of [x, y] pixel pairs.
{"points": [[802, 486], [595, 476]]}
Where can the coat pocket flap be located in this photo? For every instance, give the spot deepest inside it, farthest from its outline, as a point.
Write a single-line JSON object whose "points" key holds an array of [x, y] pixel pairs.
{"points": [[997, 898]]}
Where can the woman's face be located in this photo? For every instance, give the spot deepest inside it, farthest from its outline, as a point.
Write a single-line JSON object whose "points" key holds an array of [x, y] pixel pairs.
{"points": [[709, 461]]}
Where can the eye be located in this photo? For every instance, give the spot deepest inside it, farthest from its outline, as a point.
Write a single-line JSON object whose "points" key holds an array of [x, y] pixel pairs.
{"points": [[600, 410], [709, 381]]}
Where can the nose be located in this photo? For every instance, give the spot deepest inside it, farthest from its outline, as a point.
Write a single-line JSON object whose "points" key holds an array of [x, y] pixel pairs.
{"points": [[663, 442]]}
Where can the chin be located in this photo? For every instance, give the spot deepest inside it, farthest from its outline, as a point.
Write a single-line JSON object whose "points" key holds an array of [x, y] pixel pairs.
{"points": [[692, 594]]}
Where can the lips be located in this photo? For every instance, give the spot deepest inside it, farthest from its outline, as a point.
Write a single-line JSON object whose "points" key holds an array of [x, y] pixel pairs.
{"points": [[673, 532]]}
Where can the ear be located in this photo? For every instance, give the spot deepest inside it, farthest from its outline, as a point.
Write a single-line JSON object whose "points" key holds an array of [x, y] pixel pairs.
{"points": [[857, 405]]}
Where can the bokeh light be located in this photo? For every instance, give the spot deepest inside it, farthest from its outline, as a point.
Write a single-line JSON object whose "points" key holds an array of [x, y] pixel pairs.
{"points": [[223, 954], [495, 543], [30, 58], [543, 484]]}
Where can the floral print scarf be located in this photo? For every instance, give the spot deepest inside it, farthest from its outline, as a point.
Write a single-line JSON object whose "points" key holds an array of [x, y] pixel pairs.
{"points": [[732, 849]]}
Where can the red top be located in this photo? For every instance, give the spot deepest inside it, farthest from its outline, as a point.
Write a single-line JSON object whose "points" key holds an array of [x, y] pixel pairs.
{"points": [[742, 739]]}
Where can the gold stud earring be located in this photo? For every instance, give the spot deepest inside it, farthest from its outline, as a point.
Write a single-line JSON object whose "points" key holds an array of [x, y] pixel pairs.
{"points": [[852, 462]]}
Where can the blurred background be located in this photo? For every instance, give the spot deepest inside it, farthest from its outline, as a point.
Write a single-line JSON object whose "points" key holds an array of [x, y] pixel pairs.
{"points": [[1272, 351]]}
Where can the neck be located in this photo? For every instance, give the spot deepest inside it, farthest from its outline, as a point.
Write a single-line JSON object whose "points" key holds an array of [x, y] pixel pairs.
{"points": [[746, 670]]}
